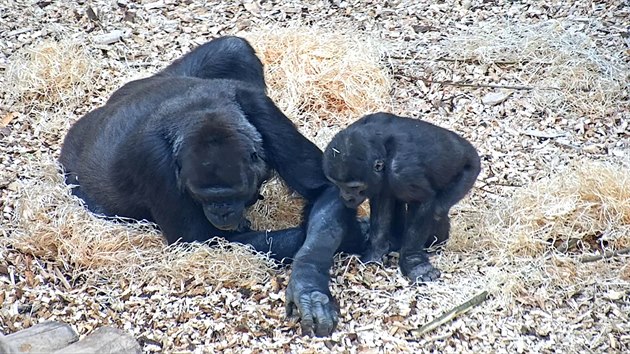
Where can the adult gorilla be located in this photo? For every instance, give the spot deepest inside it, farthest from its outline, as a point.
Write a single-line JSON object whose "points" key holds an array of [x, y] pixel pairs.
{"points": [[189, 148]]}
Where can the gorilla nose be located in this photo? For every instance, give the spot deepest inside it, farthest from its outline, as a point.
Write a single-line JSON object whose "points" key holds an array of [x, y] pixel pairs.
{"points": [[352, 202]]}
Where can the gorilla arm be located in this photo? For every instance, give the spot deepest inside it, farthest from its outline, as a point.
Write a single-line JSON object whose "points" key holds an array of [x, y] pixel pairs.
{"points": [[329, 223]]}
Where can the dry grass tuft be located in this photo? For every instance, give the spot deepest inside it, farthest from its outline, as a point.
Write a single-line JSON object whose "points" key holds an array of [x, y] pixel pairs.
{"points": [[531, 243], [280, 208], [54, 226], [323, 81], [322, 78], [52, 73], [569, 68], [589, 205], [583, 209]]}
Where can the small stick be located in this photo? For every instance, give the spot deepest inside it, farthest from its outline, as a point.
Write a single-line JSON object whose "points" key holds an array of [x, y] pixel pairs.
{"points": [[463, 84], [607, 254], [511, 87], [564, 247], [459, 310]]}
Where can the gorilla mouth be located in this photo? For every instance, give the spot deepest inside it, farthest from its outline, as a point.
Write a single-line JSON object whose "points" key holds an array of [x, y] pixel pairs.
{"points": [[224, 223], [226, 227]]}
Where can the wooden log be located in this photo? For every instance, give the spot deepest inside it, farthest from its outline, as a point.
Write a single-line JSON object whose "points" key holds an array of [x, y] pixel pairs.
{"points": [[105, 340], [42, 338]]}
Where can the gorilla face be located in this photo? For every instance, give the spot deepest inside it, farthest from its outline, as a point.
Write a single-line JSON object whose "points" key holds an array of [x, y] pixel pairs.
{"points": [[355, 166], [223, 173]]}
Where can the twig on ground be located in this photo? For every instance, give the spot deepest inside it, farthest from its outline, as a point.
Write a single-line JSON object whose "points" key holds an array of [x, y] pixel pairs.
{"points": [[476, 85], [565, 246], [459, 310], [605, 255]]}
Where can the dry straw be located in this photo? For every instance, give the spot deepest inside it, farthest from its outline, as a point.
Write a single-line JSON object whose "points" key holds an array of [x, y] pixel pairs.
{"points": [[531, 244], [52, 73], [323, 80], [320, 77], [54, 226], [583, 209], [570, 70]]}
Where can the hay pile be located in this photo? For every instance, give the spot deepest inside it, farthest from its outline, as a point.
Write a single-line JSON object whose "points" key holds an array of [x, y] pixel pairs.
{"points": [[543, 235], [323, 81], [584, 209], [54, 226], [320, 77], [567, 68], [53, 73]]}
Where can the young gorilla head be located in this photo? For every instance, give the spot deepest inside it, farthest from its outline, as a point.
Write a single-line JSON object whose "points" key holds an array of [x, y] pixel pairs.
{"points": [[356, 164], [222, 168]]}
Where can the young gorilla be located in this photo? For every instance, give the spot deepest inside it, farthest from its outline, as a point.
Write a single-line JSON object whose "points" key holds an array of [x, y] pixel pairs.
{"points": [[189, 148], [412, 172]]}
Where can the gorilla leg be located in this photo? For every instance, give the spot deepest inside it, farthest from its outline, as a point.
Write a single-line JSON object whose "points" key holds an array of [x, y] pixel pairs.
{"points": [[356, 241], [382, 214], [398, 226], [414, 261], [446, 198], [441, 235], [457, 189]]}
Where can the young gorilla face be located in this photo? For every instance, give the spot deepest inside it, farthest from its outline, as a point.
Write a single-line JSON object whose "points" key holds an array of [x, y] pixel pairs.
{"points": [[355, 165], [223, 172]]}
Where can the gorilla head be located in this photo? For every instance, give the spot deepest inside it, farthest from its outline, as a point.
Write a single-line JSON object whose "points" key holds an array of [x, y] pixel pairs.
{"points": [[355, 163], [222, 168]]}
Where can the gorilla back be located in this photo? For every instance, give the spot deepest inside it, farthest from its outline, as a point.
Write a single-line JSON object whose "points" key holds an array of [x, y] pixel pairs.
{"points": [[189, 148]]}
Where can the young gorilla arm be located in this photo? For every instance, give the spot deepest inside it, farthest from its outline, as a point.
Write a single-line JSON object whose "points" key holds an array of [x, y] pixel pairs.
{"points": [[382, 218], [329, 224]]}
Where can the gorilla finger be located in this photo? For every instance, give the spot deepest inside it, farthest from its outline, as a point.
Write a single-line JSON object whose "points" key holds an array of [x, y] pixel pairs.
{"points": [[307, 324], [289, 309], [325, 320]]}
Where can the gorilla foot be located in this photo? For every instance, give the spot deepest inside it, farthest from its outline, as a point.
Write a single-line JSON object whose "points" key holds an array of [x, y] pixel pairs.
{"points": [[422, 273]]}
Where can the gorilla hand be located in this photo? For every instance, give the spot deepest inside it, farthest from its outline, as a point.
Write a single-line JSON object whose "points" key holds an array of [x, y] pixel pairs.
{"points": [[308, 297]]}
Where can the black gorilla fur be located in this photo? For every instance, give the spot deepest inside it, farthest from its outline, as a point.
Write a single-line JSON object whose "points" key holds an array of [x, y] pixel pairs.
{"points": [[189, 148], [413, 172]]}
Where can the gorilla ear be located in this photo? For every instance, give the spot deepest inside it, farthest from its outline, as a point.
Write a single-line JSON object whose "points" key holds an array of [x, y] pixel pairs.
{"points": [[379, 165]]}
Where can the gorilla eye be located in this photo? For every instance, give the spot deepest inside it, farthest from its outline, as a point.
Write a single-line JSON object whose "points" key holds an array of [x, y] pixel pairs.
{"points": [[254, 156], [379, 165]]}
